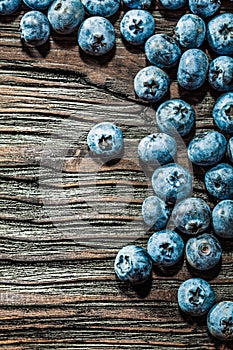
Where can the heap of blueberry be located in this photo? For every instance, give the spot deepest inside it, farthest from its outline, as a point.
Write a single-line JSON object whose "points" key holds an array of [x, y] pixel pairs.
{"points": [[172, 203]]}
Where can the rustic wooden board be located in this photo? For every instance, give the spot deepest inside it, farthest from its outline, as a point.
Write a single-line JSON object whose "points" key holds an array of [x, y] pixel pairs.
{"points": [[55, 291]]}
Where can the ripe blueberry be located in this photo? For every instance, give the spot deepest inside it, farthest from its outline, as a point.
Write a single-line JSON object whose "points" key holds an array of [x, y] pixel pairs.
{"points": [[155, 212], [223, 112], [220, 320], [34, 28], [222, 219], [219, 181]]}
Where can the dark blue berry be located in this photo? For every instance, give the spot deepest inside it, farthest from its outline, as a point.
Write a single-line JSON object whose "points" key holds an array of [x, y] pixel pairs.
{"points": [[172, 182], [151, 84], [230, 149], [195, 297], [162, 50], [133, 264], [204, 8], [220, 34], [157, 149], [38, 4], [7, 7], [173, 4], [105, 140], [203, 252], [192, 215], [174, 116], [165, 248], [190, 31], [223, 112], [104, 8], [220, 321], [138, 4], [207, 148], [222, 219], [96, 36], [137, 26], [221, 73], [219, 181], [34, 28], [65, 16], [155, 212], [193, 68]]}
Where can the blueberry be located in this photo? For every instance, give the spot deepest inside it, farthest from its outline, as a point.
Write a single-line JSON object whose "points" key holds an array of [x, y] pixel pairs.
{"points": [[190, 31], [195, 297], [204, 8], [165, 247], [192, 215], [230, 149], [38, 4], [7, 7], [203, 252], [137, 26], [174, 116], [66, 15], [193, 68], [104, 8], [157, 149], [155, 212], [133, 264], [222, 219], [220, 320], [172, 182], [221, 73], [173, 4], [223, 112], [34, 28], [96, 36], [162, 50], [151, 83], [220, 34], [105, 140], [138, 4], [219, 181], [207, 148]]}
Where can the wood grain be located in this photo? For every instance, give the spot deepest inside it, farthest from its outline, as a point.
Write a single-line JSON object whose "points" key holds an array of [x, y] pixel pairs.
{"points": [[63, 215]]}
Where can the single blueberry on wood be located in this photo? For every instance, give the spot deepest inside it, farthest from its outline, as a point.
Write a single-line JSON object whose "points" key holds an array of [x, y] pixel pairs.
{"points": [[204, 8], [96, 36], [105, 140], [38, 4], [230, 149], [137, 26], [173, 4], [220, 34], [203, 252], [138, 4], [65, 16], [223, 112], [165, 248], [220, 320], [162, 50], [192, 215], [157, 149], [172, 183], [190, 31], [193, 69], [207, 148], [219, 181], [222, 219], [221, 73], [34, 28], [7, 7], [195, 297], [155, 212], [175, 116], [151, 84], [133, 264], [104, 8]]}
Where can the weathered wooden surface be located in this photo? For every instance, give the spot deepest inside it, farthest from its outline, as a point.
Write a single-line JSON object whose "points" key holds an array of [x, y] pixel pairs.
{"points": [[56, 292]]}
